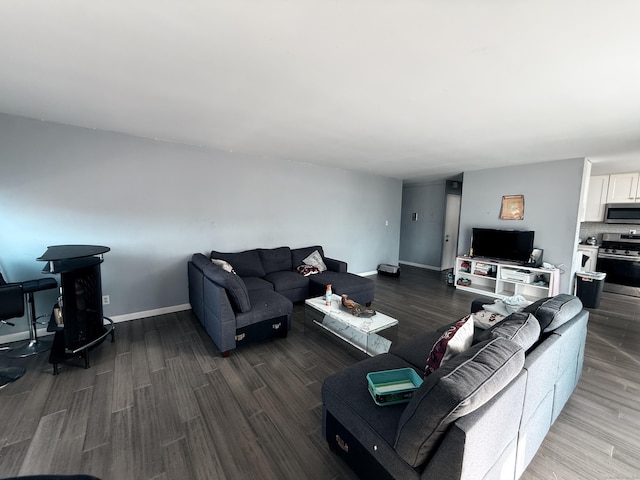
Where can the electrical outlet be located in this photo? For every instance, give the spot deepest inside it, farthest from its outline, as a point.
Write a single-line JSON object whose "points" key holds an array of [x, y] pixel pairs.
{"points": [[106, 300]]}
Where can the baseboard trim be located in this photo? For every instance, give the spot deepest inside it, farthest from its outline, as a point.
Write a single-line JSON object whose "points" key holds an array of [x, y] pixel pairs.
{"points": [[20, 336], [42, 332], [420, 265], [367, 274], [150, 313]]}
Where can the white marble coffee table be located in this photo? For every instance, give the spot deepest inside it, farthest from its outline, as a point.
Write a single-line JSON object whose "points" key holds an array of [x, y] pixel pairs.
{"points": [[373, 335]]}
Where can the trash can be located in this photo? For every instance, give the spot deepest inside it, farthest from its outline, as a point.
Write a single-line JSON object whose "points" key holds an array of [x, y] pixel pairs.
{"points": [[589, 288], [450, 278]]}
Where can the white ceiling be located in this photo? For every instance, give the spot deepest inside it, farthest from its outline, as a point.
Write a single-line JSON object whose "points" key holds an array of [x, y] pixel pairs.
{"points": [[409, 89]]}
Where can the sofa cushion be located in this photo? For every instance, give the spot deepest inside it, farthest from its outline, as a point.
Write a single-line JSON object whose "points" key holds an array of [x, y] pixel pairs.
{"points": [[267, 305], [345, 394], [459, 387], [255, 283], [283, 281], [416, 350], [275, 259], [359, 289], [553, 312], [453, 341], [520, 327], [246, 264], [299, 254], [234, 285], [315, 260]]}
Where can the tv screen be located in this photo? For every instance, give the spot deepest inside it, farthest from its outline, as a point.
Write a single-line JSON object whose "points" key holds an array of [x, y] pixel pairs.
{"points": [[511, 245]]}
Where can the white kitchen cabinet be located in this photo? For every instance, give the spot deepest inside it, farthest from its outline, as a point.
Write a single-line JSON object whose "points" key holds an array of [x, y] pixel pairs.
{"points": [[596, 198], [623, 188]]}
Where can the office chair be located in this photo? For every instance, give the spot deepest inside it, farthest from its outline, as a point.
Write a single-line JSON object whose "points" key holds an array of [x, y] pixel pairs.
{"points": [[11, 306], [28, 288]]}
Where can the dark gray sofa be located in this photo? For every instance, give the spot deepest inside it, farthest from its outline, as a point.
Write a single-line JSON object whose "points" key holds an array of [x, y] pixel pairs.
{"points": [[273, 269], [481, 415], [256, 302]]}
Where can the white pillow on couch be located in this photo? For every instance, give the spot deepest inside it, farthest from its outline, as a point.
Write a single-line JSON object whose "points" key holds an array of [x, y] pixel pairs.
{"points": [[453, 341], [315, 260]]}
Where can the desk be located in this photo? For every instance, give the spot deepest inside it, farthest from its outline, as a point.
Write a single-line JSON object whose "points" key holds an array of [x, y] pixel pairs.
{"points": [[80, 301]]}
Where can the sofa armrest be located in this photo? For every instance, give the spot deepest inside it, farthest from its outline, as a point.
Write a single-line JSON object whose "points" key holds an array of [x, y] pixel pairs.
{"points": [[211, 304], [335, 265], [477, 303], [219, 317]]}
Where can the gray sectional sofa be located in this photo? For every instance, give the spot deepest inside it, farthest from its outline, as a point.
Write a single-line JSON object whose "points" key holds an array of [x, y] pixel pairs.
{"points": [[482, 415], [255, 302]]}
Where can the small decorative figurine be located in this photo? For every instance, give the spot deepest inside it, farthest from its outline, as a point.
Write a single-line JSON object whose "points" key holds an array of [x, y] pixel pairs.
{"points": [[356, 309]]}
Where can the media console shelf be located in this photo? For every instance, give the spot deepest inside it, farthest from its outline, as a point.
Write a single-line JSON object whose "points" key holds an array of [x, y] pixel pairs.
{"points": [[503, 279]]}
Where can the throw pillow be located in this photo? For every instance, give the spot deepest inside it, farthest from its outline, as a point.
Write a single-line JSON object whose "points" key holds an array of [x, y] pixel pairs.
{"points": [[553, 312], [307, 270], [275, 259], [315, 260], [299, 254], [246, 264], [226, 266], [238, 292], [484, 319], [519, 327], [456, 339], [234, 286], [458, 388]]}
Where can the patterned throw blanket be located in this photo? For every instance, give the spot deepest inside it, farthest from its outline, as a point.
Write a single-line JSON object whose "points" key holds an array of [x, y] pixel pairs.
{"points": [[307, 270]]}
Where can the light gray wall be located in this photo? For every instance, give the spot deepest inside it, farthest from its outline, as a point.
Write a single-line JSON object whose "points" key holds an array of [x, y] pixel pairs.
{"points": [[551, 207], [421, 240], [156, 203]]}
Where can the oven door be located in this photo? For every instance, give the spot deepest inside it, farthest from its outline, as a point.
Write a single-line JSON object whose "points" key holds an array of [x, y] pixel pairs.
{"points": [[620, 271]]}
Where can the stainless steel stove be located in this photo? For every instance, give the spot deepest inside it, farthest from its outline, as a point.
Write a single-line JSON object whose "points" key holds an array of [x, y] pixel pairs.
{"points": [[619, 258]]}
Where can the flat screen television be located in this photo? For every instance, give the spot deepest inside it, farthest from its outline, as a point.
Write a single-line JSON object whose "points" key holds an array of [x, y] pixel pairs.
{"points": [[510, 245]]}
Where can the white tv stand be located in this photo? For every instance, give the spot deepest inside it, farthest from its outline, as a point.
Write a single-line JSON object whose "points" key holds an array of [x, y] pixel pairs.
{"points": [[504, 279]]}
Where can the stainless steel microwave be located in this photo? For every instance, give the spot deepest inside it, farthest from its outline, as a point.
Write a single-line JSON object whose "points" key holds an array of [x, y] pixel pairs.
{"points": [[622, 213]]}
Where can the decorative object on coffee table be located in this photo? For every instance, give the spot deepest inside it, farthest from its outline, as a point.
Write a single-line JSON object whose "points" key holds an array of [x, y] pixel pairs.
{"points": [[356, 309]]}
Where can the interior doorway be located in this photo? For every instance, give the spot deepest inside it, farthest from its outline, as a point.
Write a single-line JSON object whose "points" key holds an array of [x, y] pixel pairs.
{"points": [[451, 226]]}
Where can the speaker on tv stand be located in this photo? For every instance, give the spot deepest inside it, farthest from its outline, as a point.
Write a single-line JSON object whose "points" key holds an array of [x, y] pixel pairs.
{"points": [[535, 260]]}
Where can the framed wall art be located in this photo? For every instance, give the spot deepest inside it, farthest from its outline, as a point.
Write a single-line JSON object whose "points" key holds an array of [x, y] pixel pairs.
{"points": [[512, 207]]}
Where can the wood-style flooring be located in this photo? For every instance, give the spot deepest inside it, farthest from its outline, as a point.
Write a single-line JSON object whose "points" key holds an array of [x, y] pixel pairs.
{"points": [[162, 403]]}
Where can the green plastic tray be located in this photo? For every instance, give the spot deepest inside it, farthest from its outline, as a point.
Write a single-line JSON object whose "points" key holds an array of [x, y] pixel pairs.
{"points": [[389, 387]]}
